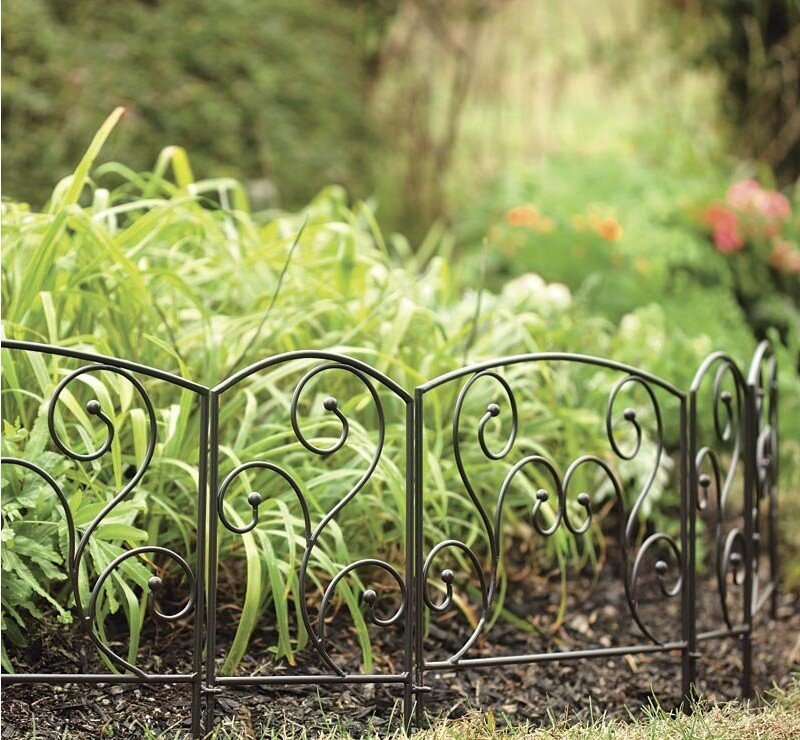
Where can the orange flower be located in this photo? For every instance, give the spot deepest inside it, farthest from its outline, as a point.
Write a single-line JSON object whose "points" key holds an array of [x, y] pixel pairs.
{"points": [[523, 216], [545, 225], [609, 229]]}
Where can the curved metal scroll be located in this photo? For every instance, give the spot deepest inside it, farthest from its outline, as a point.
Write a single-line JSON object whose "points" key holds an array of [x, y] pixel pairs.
{"points": [[312, 534], [558, 490], [762, 382], [712, 472], [76, 546]]}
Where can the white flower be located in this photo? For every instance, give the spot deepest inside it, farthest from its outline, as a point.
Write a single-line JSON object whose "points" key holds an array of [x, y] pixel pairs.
{"points": [[558, 296], [524, 288]]}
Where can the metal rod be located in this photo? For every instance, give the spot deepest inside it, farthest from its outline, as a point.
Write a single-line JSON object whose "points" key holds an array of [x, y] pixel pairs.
{"points": [[688, 514], [551, 357], [94, 678], [200, 564], [768, 592], [774, 561], [750, 472], [212, 549], [312, 679], [723, 633], [419, 617], [442, 665], [409, 661]]}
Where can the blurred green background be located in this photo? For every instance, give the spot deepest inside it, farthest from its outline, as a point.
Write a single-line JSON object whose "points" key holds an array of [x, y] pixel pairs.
{"points": [[640, 156]]}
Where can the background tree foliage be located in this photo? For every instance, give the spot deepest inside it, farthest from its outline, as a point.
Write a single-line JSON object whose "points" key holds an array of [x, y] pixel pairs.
{"points": [[755, 44], [271, 91]]}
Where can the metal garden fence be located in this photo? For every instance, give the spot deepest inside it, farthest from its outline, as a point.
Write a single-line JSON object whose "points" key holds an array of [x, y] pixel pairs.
{"points": [[742, 414]]}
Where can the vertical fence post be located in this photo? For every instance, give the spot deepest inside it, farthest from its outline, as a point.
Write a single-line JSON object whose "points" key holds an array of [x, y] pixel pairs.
{"points": [[750, 472], [688, 486], [774, 572], [418, 601], [409, 647], [212, 547], [200, 572]]}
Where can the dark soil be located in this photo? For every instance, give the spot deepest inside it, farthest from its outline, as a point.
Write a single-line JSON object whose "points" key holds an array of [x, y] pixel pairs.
{"points": [[596, 616]]}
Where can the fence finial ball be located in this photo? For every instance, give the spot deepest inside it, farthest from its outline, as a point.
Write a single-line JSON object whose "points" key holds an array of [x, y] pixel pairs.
{"points": [[369, 597]]}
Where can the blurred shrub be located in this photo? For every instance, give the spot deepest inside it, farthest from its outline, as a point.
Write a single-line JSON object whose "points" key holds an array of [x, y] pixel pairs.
{"points": [[271, 91], [627, 236]]}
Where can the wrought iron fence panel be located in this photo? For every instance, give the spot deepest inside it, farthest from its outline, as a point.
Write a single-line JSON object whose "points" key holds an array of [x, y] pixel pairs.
{"points": [[111, 407], [306, 373], [569, 511], [354, 423]]}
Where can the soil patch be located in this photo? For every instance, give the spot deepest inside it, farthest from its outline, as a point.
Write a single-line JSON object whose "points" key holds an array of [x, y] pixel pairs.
{"points": [[596, 615]]}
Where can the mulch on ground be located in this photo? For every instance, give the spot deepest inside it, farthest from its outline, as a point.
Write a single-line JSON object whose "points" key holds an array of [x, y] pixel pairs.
{"points": [[596, 616]]}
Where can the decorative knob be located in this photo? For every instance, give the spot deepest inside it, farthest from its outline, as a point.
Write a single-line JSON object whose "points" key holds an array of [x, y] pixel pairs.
{"points": [[369, 597]]}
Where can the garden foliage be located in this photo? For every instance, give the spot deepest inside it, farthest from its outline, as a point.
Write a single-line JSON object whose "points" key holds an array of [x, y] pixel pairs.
{"points": [[179, 274]]}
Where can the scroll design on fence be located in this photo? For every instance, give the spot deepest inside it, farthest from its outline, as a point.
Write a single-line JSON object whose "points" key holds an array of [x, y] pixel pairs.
{"points": [[312, 535], [743, 415], [711, 474], [658, 541], [763, 380], [76, 548]]}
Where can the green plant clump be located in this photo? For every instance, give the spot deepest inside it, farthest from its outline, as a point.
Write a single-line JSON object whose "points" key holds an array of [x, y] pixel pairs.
{"points": [[180, 275]]}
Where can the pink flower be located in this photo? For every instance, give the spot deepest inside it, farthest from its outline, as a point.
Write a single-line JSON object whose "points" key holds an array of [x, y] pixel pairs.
{"points": [[748, 195], [725, 224], [742, 194], [776, 205]]}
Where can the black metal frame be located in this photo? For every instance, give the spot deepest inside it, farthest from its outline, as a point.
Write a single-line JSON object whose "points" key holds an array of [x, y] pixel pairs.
{"points": [[744, 420]]}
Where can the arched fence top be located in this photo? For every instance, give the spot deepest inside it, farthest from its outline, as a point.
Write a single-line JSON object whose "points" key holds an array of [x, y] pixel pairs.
{"points": [[311, 354], [725, 361], [764, 351], [134, 367], [534, 357]]}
